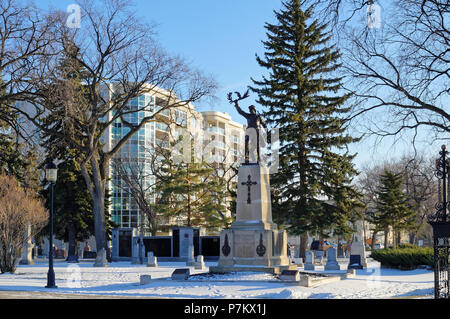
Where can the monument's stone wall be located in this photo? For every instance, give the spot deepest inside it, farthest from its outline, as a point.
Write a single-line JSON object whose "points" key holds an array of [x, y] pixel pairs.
{"points": [[253, 241]]}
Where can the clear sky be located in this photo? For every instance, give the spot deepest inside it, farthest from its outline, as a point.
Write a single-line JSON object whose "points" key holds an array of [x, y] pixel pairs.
{"points": [[221, 38]]}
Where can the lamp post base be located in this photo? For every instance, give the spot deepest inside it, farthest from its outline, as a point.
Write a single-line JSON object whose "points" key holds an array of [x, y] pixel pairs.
{"points": [[51, 280]]}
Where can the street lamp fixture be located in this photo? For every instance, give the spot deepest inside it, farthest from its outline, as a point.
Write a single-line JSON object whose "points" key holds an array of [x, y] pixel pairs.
{"points": [[51, 171], [51, 174]]}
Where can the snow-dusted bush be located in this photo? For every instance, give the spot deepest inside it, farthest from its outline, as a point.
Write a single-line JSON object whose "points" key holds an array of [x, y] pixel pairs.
{"points": [[408, 257]]}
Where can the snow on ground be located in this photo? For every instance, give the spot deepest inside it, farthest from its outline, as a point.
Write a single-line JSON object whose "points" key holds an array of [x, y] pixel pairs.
{"points": [[123, 279]]}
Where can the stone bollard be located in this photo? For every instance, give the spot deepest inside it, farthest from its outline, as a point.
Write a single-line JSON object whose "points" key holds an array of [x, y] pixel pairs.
{"points": [[305, 281], [152, 261], [199, 264], [145, 279]]}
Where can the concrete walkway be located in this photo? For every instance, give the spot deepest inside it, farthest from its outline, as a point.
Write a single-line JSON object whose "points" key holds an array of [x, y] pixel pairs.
{"points": [[53, 295]]}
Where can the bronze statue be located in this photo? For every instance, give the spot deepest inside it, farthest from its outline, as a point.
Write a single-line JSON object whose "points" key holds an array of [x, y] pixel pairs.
{"points": [[254, 121]]}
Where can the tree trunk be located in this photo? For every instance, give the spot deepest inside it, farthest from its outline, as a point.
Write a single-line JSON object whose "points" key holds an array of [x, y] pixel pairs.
{"points": [[96, 187], [99, 228], [374, 238], [303, 246], [72, 242], [386, 237], [412, 237]]}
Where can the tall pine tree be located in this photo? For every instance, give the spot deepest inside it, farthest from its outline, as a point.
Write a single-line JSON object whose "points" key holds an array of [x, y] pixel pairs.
{"points": [[302, 98]]}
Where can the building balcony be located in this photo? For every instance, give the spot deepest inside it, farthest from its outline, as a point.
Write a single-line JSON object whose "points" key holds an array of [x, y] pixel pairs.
{"points": [[162, 127], [215, 129]]}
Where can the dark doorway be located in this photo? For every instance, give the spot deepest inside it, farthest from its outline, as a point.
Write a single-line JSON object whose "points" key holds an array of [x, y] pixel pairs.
{"points": [[176, 242], [124, 243]]}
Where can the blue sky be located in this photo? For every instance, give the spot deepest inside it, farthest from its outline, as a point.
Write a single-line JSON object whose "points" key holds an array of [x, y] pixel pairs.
{"points": [[217, 37], [221, 38]]}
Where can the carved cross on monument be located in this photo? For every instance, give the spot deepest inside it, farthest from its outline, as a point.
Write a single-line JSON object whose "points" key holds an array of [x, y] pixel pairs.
{"points": [[249, 183]]}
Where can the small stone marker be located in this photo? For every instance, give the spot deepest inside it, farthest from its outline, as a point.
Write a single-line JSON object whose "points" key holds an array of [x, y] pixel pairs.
{"points": [[290, 275], [305, 281], [355, 262], [332, 263], [152, 261], [318, 257], [309, 265], [351, 273], [180, 274], [145, 279], [199, 264], [292, 253]]}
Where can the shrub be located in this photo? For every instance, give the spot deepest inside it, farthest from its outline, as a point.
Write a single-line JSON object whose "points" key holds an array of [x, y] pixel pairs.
{"points": [[407, 245], [19, 208], [408, 257]]}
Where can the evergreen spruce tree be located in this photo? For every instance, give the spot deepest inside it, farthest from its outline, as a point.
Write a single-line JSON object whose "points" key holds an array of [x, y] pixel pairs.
{"points": [[73, 218], [392, 208], [16, 157], [302, 98]]}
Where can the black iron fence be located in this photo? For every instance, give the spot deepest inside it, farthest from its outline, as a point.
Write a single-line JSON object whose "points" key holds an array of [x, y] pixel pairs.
{"points": [[441, 229]]}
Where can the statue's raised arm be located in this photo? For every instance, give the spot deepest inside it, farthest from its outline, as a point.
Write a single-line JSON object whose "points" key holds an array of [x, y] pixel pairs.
{"points": [[236, 102]]}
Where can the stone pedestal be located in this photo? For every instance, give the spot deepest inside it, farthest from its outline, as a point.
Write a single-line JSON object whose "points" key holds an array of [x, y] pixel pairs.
{"points": [[115, 244], [332, 263], [358, 248], [135, 243], [253, 242]]}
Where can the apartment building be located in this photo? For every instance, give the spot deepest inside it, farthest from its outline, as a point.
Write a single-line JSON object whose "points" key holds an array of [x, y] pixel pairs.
{"points": [[217, 138]]}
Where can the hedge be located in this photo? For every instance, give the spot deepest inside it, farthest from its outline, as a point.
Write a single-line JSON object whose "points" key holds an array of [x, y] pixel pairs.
{"points": [[408, 257]]}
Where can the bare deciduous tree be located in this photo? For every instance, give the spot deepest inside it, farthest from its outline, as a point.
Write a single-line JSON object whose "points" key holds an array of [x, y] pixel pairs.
{"points": [[401, 69], [419, 184], [23, 39], [138, 178], [121, 61], [422, 189], [18, 208]]}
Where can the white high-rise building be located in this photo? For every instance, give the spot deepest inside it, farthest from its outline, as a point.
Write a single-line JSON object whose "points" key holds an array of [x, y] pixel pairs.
{"points": [[217, 139]]}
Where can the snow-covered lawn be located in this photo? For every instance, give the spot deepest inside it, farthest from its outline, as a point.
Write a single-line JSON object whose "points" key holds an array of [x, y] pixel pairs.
{"points": [[122, 279]]}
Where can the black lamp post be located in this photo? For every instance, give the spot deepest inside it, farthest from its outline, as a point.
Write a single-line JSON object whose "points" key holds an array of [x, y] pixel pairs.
{"points": [[51, 172]]}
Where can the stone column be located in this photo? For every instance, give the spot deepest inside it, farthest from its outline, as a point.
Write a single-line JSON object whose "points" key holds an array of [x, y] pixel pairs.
{"points": [[115, 245], [27, 249]]}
